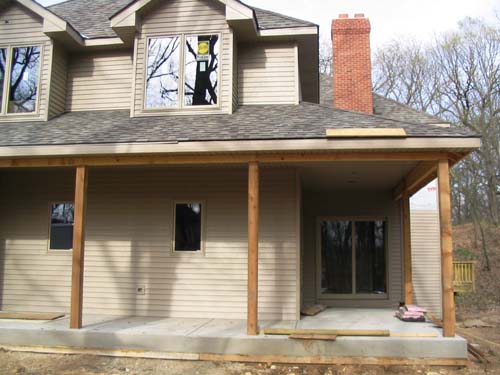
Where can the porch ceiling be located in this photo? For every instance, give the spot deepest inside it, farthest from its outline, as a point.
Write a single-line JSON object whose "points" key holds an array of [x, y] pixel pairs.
{"points": [[377, 175]]}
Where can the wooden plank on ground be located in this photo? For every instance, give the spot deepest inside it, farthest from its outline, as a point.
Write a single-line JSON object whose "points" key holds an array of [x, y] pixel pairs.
{"points": [[29, 315], [298, 336], [396, 334], [337, 332], [313, 310]]}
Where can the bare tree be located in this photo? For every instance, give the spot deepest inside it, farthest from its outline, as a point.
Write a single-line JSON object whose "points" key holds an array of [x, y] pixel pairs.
{"points": [[325, 56], [457, 77]]}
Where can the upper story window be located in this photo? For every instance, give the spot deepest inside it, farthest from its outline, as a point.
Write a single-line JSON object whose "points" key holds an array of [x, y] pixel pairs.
{"points": [[19, 79], [170, 84]]}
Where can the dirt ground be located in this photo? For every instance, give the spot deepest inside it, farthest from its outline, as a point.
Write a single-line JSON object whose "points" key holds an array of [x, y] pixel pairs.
{"points": [[55, 364], [483, 305]]}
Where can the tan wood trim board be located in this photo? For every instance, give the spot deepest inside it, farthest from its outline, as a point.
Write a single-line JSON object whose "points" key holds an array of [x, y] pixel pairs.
{"points": [[446, 249], [29, 315], [253, 248], [233, 158], [366, 133], [338, 332]]}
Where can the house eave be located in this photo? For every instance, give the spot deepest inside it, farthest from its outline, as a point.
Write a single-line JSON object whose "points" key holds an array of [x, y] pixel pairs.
{"points": [[445, 144]]}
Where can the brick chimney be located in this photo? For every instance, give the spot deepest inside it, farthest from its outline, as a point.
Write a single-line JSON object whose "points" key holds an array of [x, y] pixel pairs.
{"points": [[352, 82]]}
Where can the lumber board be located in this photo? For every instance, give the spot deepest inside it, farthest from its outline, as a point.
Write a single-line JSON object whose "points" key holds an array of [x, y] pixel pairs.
{"points": [[240, 158], [76, 308], [366, 133], [337, 332], [313, 310], [446, 248], [29, 315], [253, 248], [405, 205], [397, 334], [323, 360], [298, 336]]}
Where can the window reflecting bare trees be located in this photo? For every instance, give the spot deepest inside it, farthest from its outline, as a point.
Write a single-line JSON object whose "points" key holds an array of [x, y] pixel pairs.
{"points": [[162, 87], [200, 70], [196, 80], [3, 66], [25, 70]]}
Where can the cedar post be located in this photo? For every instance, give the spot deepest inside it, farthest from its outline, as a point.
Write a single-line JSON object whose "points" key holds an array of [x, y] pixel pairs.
{"points": [[446, 249], [405, 203], [253, 247], [78, 247]]}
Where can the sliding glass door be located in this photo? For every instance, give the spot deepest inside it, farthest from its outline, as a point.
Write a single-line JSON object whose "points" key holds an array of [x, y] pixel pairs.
{"points": [[352, 257]]}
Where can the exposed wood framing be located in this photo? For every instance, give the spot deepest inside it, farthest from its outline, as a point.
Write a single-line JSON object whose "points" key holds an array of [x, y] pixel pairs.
{"points": [[446, 249], [405, 206], [78, 247], [253, 248], [240, 158], [421, 175]]}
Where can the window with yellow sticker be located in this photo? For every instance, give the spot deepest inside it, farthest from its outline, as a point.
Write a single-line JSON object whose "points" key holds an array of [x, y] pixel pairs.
{"points": [[170, 84]]}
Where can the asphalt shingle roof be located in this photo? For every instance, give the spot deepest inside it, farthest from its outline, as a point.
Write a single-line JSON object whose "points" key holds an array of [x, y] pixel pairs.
{"points": [[381, 105], [303, 121], [272, 20], [91, 17]]}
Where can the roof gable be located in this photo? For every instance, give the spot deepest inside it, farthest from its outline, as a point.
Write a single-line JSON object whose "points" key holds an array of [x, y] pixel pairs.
{"points": [[53, 25]]}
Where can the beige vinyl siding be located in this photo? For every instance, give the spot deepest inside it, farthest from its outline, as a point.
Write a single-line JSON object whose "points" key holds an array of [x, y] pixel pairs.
{"points": [[129, 242], [426, 259], [189, 17], [57, 104], [31, 279], [352, 204], [100, 81], [267, 74], [19, 26]]}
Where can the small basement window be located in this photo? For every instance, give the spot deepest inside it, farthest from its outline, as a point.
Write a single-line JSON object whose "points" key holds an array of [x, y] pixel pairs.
{"points": [[61, 226], [188, 226]]}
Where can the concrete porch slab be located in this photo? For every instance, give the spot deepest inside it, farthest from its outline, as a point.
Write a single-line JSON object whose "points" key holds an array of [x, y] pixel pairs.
{"points": [[227, 339]]}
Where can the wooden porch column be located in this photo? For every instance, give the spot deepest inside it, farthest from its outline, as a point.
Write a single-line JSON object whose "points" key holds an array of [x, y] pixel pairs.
{"points": [[253, 247], [78, 247], [405, 203], [446, 249]]}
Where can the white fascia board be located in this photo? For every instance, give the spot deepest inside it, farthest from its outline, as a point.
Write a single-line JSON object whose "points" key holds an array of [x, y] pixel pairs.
{"points": [[409, 144], [310, 30], [128, 15], [237, 8], [98, 42]]}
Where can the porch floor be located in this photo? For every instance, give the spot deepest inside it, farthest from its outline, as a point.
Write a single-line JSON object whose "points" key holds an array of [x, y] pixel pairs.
{"points": [[209, 338]]}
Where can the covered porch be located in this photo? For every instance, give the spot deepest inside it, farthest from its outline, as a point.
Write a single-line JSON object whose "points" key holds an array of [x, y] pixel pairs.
{"points": [[222, 339], [397, 174]]}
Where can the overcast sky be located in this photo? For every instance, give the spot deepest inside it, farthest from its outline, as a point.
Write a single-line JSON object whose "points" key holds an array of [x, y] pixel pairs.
{"points": [[420, 19]]}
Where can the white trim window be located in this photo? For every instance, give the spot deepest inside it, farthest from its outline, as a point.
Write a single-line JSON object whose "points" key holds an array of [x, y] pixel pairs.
{"points": [[188, 226], [192, 83], [62, 216], [20, 68]]}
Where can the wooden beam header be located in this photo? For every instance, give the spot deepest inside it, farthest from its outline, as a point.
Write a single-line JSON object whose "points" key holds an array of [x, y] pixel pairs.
{"points": [[366, 133], [232, 158]]}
